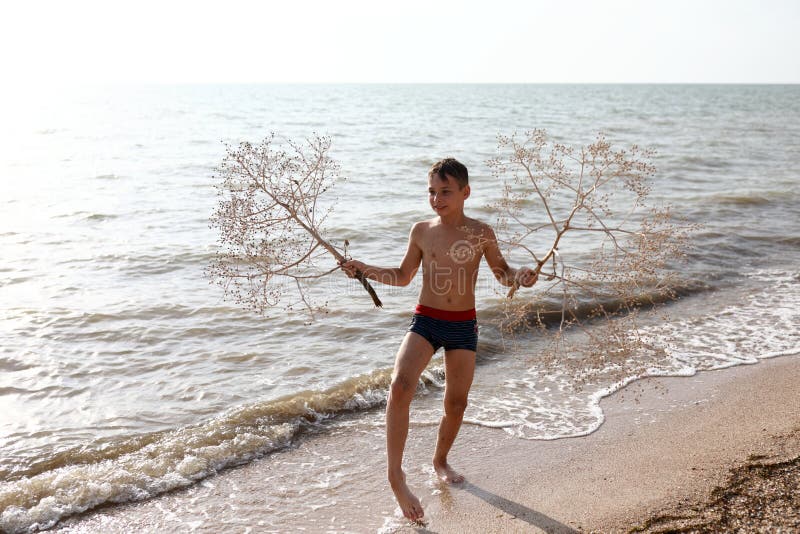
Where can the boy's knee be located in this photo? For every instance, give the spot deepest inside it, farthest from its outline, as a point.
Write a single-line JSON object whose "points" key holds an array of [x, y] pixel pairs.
{"points": [[402, 388]]}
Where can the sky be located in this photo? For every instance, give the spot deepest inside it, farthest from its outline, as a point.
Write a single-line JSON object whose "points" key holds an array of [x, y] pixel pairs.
{"points": [[409, 41]]}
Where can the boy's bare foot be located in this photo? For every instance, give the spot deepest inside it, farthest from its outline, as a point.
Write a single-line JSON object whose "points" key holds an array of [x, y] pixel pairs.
{"points": [[409, 504], [447, 474]]}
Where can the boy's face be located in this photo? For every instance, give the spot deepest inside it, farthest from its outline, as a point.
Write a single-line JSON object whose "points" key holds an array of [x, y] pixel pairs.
{"points": [[445, 196]]}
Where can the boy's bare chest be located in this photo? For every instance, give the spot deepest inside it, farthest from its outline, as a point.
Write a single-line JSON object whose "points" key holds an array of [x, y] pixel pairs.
{"points": [[450, 247]]}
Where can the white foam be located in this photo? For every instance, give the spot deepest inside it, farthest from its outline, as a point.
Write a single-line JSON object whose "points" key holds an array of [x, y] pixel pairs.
{"points": [[176, 460], [539, 404]]}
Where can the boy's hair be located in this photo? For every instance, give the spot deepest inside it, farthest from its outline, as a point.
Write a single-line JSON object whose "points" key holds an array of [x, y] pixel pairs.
{"points": [[451, 167]]}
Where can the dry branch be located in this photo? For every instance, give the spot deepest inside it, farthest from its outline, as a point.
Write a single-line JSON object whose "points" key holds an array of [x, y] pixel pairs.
{"points": [[597, 196], [270, 220]]}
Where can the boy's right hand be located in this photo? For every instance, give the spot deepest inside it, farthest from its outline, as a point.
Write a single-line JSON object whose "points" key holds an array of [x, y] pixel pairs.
{"points": [[351, 266]]}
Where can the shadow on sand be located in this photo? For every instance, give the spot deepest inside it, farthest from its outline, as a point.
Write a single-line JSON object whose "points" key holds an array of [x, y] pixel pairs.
{"points": [[516, 510], [520, 512]]}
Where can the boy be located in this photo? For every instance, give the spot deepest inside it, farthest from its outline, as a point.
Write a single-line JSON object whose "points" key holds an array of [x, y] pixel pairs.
{"points": [[449, 247]]}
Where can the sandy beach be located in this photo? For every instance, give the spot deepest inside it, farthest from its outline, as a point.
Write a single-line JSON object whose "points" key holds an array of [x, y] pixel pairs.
{"points": [[668, 448]]}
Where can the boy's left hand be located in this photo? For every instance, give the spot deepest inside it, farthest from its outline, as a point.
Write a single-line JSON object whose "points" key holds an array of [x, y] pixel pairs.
{"points": [[526, 277]]}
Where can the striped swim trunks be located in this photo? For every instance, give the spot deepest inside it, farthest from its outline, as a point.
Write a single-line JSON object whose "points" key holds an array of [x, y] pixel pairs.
{"points": [[444, 328]]}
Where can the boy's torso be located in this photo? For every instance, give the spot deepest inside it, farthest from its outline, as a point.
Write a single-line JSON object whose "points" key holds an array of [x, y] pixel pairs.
{"points": [[450, 259]]}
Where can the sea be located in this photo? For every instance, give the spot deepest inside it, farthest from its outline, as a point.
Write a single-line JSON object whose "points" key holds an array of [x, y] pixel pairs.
{"points": [[126, 373]]}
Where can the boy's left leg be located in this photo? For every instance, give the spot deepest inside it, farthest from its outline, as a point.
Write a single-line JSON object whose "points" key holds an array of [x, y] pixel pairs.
{"points": [[459, 369]]}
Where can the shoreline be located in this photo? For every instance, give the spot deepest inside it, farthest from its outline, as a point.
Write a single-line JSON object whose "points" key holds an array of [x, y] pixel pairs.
{"points": [[652, 456], [663, 447]]}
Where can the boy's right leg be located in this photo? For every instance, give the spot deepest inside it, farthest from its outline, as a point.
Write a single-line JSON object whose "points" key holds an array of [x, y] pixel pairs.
{"points": [[414, 354]]}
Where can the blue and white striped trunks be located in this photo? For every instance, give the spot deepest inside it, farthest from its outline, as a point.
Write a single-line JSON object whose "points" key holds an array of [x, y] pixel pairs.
{"points": [[445, 328]]}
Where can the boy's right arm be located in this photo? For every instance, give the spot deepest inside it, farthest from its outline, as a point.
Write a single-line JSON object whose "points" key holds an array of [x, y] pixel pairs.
{"points": [[393, 276]]}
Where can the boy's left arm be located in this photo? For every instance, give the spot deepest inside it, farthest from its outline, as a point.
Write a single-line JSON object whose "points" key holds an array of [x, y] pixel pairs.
{"points": [[503, 272]]}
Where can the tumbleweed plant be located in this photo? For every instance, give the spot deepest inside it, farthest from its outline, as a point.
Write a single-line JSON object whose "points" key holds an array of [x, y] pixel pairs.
{"points": [[582, 218], [270, 218]]}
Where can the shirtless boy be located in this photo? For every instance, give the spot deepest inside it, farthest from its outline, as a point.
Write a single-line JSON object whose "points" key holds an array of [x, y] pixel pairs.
{"points": [[449, 247]]}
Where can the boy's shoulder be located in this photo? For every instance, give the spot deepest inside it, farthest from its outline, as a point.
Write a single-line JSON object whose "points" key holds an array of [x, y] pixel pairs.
{"points": [[421, 226]]}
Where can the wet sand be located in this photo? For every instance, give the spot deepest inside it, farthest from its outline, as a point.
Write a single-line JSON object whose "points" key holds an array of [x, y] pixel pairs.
{"points": [[667, 447]]}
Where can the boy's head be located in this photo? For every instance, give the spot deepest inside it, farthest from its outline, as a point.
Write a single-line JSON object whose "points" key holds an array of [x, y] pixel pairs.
{"points": [[450, 167], [448, 187]]}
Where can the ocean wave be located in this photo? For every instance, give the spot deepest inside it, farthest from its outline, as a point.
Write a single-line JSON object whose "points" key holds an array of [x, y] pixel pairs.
{"points": [[544, 403], [139, 467], [100, 217], [16, 280], [10, 364], [144, 466], [694, 162], [548, 311], [38, 494], [744, 199], [784, 199], [39, 502], [147, 264], [58, 319]]}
